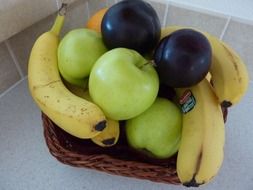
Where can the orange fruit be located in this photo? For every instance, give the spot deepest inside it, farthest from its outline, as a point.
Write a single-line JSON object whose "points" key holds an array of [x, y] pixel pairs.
{"points": [[94, 23]]}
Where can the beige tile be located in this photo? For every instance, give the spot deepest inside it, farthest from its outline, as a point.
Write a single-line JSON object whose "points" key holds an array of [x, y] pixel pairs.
{"points": [[66, 1], [22, 43], [69, 2], [160, 9], [240, 37], [8, 71], [77, 16], [203, 21], [95, 5], [109, 3], [16, 15]]}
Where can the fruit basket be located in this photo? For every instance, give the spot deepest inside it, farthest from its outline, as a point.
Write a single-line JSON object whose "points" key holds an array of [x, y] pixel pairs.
{"points": [[142, 141], [119, 159]]}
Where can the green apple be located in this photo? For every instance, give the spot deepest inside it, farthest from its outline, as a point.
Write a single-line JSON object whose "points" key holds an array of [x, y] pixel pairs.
{"points": [[157, 131], [77, 53], [123, 83], [75, 81]]}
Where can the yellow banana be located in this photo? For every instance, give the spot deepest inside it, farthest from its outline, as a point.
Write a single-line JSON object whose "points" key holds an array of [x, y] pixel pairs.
{"points": [[200, 153], [229, 74], [73, 114], [209, 77], [110, 135]]}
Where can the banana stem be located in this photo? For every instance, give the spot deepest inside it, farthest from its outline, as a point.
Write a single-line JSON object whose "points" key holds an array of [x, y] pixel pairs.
{"points": [[62, 11], [56, 28]]}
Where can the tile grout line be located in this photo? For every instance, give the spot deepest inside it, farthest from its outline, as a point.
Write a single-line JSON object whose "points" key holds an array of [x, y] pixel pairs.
{"points": [[166, 14], [12, 87], [57, 4], [14, 58], [225, 28], [87, 8], [199, 9]]}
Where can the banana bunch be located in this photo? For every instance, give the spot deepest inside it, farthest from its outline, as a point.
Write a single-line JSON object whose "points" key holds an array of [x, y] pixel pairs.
{"points": [[110, 135], [200, 153], [75, 115], [201, 150], [229, 75]]}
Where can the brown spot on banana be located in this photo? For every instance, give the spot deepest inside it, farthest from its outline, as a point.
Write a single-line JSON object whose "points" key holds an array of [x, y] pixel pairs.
{"points": [[193, 182], [109, 141], [40, 102], [100, 126], [44, 85], [83, 109], [198, 164], [224, 113], [71, 108], [226, 104]]}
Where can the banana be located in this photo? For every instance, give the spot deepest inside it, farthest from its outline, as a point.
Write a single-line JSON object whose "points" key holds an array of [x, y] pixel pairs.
{"points": [[110, 135], [200, 153], [73, 114], [209, 77], [229, 74]]}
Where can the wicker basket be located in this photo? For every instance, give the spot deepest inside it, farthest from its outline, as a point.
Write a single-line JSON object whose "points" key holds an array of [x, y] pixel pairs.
{"points": [[118, 160]]}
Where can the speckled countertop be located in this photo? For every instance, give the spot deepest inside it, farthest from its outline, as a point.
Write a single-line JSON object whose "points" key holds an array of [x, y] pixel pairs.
{"points": [[25, 162]]}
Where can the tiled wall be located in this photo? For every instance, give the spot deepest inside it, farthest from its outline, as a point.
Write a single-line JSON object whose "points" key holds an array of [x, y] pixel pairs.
{"points": [[14, 52], [16, 15]]}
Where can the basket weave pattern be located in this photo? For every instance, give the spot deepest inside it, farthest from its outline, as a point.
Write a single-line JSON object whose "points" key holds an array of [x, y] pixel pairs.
{"points": [[118, 160]]}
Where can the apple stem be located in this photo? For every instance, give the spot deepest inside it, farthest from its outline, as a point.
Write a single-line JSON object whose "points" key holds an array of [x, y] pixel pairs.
{"points": [[151, 62]]}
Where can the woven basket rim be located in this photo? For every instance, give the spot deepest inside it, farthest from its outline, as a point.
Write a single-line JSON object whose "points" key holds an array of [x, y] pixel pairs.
{"points": [[104, 162]]}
